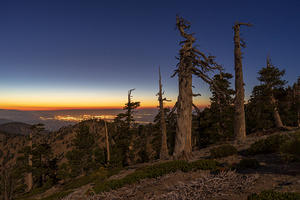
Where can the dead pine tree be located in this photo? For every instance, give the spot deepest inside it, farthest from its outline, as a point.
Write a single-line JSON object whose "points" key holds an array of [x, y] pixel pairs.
{"points": [[239, 121], [129, 107], [191, 62], [164, 152]]}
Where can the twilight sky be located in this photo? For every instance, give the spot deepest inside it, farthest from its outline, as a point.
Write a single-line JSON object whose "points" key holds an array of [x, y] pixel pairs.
{"points": [[78, 54]]}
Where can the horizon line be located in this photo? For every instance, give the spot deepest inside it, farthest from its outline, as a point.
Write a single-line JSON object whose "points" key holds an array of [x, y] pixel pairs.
{"points": [[29, 108]]}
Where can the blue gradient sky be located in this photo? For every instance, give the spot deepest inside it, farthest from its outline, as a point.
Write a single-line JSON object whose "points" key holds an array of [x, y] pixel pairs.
{"points": [[61, 53]]}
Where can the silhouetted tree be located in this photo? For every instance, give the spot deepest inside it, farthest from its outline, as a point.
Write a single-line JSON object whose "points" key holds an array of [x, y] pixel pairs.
{"points": [[129, 107], [81, 157], [221, 104], [191, 61], [270, 78], [239, 121], [164, 152]]}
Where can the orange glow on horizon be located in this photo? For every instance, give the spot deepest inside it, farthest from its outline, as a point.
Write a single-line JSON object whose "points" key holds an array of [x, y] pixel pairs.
{"points": [[53, 108]]}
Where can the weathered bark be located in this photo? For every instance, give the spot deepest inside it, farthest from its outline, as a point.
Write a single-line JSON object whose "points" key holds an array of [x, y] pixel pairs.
{"points": [[239, 121], [107, 142], [164, 152], [183, 139], [191, 62], [276, 115], [29, 175]]}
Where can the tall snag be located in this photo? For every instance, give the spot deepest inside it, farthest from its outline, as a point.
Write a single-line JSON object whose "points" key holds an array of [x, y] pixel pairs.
{"points": [[239, 121], [107, 142], [129, 107], [191, 61], [164, 152]]}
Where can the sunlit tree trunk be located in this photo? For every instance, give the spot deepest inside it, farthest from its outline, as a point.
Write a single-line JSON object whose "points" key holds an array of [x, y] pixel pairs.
{"points": [[239, 121]]}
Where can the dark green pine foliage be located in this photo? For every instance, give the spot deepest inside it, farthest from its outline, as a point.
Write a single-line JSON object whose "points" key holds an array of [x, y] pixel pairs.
{"points": [[129, 108], [44, 165], [86, 155], [263, 107], [216, 122]]}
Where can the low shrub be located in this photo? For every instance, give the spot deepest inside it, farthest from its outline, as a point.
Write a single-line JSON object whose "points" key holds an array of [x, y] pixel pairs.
{"points": [[248, 163], [155, 171], [273, 195], [268, 145], [223, 151], [290, 150]]}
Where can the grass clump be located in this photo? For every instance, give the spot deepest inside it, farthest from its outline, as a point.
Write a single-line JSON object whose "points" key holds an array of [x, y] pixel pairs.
{"points": [[269, 145], [155, 171], [248, 163], [223, 151], [273, 195]]}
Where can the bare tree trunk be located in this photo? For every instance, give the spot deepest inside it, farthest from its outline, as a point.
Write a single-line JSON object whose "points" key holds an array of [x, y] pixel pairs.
{"points": [[29, 175], [183, 139], [164, 152], [107, 142], [276, 115], [239, 121]]}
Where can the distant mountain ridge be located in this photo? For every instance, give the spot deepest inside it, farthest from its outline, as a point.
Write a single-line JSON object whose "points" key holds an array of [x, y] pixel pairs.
{"points": [[4, 121], [15, 128]]}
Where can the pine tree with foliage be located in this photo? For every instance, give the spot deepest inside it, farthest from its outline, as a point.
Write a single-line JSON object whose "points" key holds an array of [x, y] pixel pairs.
{"points": [[271, 80], [216, 122], [81, 157], [222, 104], [130, 106]]}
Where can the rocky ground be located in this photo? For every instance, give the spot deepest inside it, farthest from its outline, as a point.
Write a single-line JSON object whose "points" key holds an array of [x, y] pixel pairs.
{"points": [[229, 185]]}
